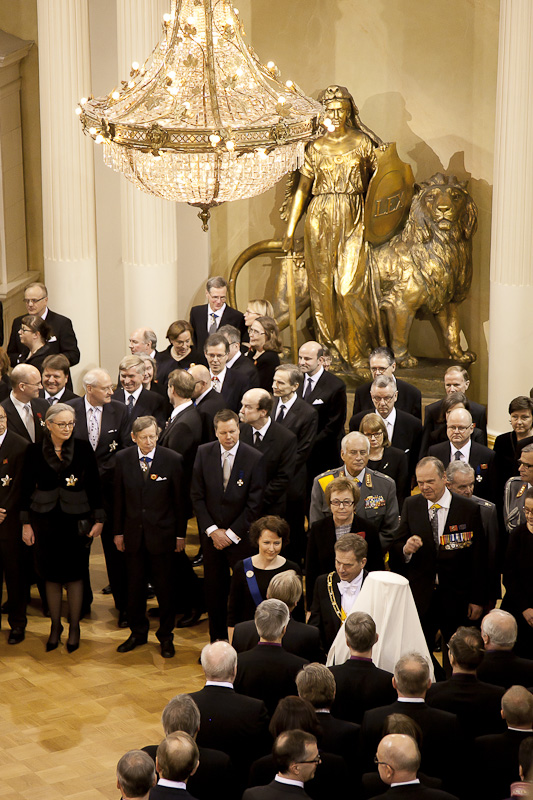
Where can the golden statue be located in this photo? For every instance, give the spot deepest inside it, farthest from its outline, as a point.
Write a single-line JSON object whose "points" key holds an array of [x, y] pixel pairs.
{"points": [[333, 181]]}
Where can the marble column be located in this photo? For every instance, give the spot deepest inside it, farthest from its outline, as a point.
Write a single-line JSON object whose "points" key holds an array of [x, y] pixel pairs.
{"points": [[511, 269], [68, 171], [149, 225]]}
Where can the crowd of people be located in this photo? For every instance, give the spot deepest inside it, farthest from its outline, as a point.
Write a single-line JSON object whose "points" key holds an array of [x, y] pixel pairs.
{"points": [[217, 428]]}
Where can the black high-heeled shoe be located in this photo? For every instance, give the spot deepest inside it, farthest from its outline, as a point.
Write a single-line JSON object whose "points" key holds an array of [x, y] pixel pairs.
{"points": [[73, 646], [52, 644]]}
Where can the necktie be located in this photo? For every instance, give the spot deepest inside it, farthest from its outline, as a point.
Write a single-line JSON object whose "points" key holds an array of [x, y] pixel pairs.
{"points": [[28, 421], [145, 463], [213, 326], [281, 413], [130, 404], [434, 522], [257, 439], [93, 428], [51, 400], [348, 593], [226, 469], [458, 456], [215, 383], [308, 388]]}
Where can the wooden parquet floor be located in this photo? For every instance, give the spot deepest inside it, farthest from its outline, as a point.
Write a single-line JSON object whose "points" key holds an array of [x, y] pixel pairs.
{"points": [[66, 719]]}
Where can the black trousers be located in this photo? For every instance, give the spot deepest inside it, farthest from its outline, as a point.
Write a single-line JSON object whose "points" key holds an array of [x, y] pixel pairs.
{"points": [[217, 565], [16, 563], [139, 566]]}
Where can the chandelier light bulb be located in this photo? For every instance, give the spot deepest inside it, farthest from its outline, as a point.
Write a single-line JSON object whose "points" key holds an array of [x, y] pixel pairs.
{"points": [[230, 145], [115, 95], [135, 65], [77, 111], [83, 101], [99, 139]]}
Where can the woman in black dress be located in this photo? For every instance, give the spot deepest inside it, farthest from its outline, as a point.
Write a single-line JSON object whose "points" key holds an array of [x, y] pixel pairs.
{"points": [[34, 332], [265, 344], [61, 512], [506, 444], [181, 353], [251, 576], [383, 457]]}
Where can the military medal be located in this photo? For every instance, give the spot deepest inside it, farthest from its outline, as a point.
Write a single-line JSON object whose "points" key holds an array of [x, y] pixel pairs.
{"points": [[113, 446], [6, 481], [72, 481]]}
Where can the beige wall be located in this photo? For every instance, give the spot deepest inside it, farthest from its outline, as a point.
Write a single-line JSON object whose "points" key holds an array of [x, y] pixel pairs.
{"points": [[424, 75]]}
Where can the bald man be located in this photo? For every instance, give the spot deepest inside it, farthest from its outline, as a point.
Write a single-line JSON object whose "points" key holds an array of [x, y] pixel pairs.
{"points": [[25, 410], [206, 400], [398, 759]]}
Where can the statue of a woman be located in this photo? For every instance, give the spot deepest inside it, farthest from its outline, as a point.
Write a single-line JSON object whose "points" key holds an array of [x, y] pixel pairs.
{"points": [[335, 174]]}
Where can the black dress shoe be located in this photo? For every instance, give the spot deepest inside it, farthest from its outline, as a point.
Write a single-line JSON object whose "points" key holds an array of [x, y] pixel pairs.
{"points": [[167, 649], [52, 644], [122, 619], [130, 644], [190, 619], [72, 646], [16, 636], [107, 589], [199, 560]]}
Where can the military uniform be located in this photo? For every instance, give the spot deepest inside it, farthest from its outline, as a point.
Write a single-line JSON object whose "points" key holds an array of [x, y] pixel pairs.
{"points": [[513, 503]]}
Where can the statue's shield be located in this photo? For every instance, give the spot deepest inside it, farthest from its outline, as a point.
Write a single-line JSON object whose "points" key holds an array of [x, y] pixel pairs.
{"points": [[389, 196]]}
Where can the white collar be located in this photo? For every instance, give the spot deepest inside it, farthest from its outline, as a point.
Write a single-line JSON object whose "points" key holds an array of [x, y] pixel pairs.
{"points": [[2, 437], [88, 406], [288, 781], [235, 358], [233, 450], [465, 450], [359, 477], [411, 700], [201, 396], [405, 783], [356, 581], [391, 419], [57, 396], [220, 376], [263, 430], [444, 501], [218, 313], [134, 394], [316, 377], [151, 454], [172, 784], [45, 313], [180, 408], [289, 404], [19, 404], [226, 684]]}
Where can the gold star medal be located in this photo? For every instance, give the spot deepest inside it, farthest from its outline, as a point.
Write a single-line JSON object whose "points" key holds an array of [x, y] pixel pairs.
{"points": [[6, 481], [72, 481], [113, 446]]}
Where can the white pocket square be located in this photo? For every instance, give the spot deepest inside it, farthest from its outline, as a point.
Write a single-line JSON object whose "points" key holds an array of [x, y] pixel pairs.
{"points": [[159, 478], [318, 402]]}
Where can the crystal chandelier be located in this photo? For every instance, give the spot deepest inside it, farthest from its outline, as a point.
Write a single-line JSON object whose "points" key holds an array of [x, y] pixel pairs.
{"points": [[202, 121]]}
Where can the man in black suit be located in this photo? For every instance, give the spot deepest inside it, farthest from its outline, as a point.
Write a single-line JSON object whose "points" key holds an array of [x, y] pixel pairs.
{"points": [[327, 394], [236, 360], [460, 447], [150, 526], [231, 384], [295, 754], [143, 341], [456, 379], [495, 757], [301, 418], [316, 684], [268, 672], [139, 402], [104, 423], [336, 592], [24, 409], [135, 775], [12, 550], [230, 722], [404, 430], [206, 400], [382, 362], [54, 378], [63, 338], [214, 770], [227, 494], [441, 535], [476, 704], [300, 639], [398, 760], [500, 666], [439, 728], [360, 684], [208, 318], [277, 444], [176, 761]]}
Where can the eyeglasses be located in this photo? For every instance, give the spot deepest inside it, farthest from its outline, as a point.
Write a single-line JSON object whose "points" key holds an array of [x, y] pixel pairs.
{"points": [[458, 428], [387, 399], [316, 760], [258, 333], [341, 503], [25, 330], [30, 301], [525, 464], [383, 763], [63, 426], [32, 384], [374, 435]]}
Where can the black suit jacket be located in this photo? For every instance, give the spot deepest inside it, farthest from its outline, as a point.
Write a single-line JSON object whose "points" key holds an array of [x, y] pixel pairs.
{"points": [[246, 366], [184, 435], [114, 435], [495, 761], [236, 383], [275, 791], [268, 672], [504, 668], [339, 736], [149, 509], [279, 448], [483, 462], [207, 407], [12, 454], [462, 572], [240, 504], [323, 615], [476, 704], [409, 399], [300, 639], [149, 404], [302, 420], [432, 416], [406, 435], [65, 397], [214, 771], [330, 780], [169, 793], [15, 424], [328, 398], [64, 342], [415, 791], [198, 320], [320, 556], [360, 686]]}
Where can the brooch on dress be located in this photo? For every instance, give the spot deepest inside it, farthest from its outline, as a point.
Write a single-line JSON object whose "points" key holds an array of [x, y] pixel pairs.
{"points": [[113, 446], [6, 481], [72, 481]]}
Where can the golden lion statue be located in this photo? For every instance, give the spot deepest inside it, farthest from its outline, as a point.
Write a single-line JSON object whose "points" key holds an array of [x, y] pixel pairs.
{"points": [[428, 266]]}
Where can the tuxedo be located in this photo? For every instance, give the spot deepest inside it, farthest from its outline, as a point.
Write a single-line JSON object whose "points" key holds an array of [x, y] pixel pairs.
{"points": [[409, 399], [268, 672], [505, 668], [275, 790], [198, 320], [183, 434], [214, 771], [279, 449], [323, 614], [148, 404], [432, 416], [149, 513], [300, 639], [235, 508], [462, 572], [235, 384], [63, 339], [320, 558], [339, 736], [476, 704], [415, 791], [328, 398], [406, 435], [483, 462], [207, 407], [495, 761], [233, 723], [360, 686], [14, 420], [12, 549]]}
